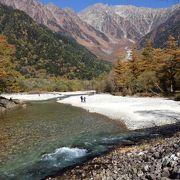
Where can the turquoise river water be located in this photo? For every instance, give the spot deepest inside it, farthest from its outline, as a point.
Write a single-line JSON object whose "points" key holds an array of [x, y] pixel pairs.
{"points": [[46, 137]]}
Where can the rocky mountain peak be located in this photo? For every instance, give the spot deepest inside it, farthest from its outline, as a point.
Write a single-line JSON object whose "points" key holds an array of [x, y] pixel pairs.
{"points": [[99, 5], [70, 11], [51, 6]]}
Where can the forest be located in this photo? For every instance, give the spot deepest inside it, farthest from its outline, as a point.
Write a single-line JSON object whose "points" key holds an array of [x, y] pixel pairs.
{"points": [[11, 80], [150, 72], [42, 52]]}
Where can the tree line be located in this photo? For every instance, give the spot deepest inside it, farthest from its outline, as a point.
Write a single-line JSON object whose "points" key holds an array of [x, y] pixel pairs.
{"points": [[149, 72]]}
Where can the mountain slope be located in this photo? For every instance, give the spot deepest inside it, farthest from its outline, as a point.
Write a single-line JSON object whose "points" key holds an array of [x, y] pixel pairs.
{"points": [[64, 21], [160, 34], [40, 51]]}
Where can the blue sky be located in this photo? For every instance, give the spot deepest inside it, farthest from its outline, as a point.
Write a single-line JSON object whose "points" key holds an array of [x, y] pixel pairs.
{"points": [[78, 5]]}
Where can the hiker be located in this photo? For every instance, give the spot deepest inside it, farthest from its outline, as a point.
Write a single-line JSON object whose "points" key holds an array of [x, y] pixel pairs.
{"points": [[84, 99], [81, 98]]}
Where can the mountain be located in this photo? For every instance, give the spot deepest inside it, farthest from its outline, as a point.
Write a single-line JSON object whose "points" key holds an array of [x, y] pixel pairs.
{"points": [[65, 21], [125, 25], [125, 21], [41, 51], [160, 34], [107, 31]]}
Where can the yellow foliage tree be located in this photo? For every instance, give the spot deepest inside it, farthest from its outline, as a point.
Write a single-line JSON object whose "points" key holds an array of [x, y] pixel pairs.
{"points": [[8, 74]]}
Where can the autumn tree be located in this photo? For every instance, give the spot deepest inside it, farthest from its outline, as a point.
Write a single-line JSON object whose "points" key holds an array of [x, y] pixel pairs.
{"points": [[8, 74], [172, 61], [147, 56], [147, 52], [150, 71], [135, 63], [167, 66], [122, 76]]}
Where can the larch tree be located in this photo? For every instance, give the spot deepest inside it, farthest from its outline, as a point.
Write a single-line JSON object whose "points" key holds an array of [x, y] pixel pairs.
{"points": [[147, 56], [122, 76], [172, 61], [134, 63]]}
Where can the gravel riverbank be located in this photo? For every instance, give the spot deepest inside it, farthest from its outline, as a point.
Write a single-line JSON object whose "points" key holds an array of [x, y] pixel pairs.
{"points": [[158, 159]]}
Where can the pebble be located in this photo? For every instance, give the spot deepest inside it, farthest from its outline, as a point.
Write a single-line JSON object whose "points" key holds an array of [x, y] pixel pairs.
{"points": [[146, 168], [165, 172]]}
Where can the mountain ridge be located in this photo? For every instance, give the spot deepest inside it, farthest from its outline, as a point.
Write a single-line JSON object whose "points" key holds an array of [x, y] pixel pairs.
{"points": [[104, 30], [91, 15]]}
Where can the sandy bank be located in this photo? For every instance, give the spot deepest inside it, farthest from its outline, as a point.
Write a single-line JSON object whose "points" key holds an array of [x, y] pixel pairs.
{"points": [[135, 112]]}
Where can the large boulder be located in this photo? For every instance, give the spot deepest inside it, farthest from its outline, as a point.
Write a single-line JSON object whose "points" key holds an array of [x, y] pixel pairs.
{"points": [[8, 103]]}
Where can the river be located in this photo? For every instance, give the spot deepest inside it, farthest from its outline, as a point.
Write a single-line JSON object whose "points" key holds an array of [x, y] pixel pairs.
{"points": [[45, 137]]}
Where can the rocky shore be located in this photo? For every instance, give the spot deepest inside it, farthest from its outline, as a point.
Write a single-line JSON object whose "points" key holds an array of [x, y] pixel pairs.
{"points": [[157, 159], [7, 104]]}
